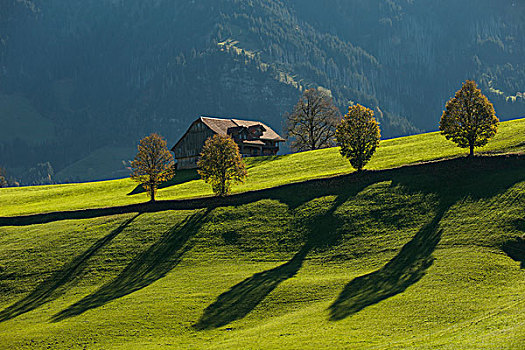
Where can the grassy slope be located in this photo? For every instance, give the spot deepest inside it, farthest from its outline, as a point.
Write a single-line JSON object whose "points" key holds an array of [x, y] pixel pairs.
{"points": [[411, 259], [95, 166], [19, 119], [263, 173]]}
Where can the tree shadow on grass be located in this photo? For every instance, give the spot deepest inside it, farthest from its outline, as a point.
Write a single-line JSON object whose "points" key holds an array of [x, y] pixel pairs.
{"points": [[53, 287], [447, 177], [405, 269], [144, 269], [245, 296], [450, 181], [515, 248], [241, 299], [182, 176]]}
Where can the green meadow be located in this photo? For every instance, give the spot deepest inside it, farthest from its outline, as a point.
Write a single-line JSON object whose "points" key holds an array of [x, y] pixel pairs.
{"points": [[263, 172], [426, 256]]}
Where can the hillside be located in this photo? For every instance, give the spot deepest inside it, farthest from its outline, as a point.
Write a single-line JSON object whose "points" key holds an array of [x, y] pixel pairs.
{"points": [[106, 73], [263, 173], [428, 255]]}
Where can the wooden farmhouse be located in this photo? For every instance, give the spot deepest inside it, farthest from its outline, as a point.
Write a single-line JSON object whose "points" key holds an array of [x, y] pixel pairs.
{"points": [[253, 138]]}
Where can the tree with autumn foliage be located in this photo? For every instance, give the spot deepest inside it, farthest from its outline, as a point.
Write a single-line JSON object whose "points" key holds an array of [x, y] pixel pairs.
{"points": [[358, 134], [312, 123], [221, 164], [469, 118], [153, 164]]}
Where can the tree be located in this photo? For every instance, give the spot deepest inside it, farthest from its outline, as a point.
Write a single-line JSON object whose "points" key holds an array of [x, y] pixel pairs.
{"points": [[358, 135], [312, 123], [40, 174], [153, 164], [469, 118], [3, 179], [220, 164]]}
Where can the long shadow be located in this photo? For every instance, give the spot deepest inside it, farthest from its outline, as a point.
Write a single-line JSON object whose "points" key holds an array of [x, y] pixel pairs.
{"points": [[245, 296], [291, 194], [405, 269], [182, 176], [146, 268], [515, 248], [450, 181], [297, 193], [241, 299], [55, 285]]}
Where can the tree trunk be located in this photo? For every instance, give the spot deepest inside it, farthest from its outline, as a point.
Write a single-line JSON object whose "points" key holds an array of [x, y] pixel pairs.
{"points": [[471, 150], [152, 194], [223, 184]]}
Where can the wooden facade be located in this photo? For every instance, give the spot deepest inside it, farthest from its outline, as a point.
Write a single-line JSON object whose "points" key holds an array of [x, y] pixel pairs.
{"points": [[253, 138]]}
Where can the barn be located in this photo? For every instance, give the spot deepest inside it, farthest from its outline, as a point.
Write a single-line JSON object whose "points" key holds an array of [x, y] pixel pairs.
{"points": [[253, 138]]}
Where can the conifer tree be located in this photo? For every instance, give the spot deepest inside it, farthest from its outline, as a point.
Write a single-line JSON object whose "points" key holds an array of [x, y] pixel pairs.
{"points": [[358, 135], [221, 163], [153, 164], [469, 119], [3, 180]]}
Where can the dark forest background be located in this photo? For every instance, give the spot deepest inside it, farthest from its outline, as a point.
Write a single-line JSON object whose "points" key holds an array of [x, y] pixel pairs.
{"points": [[81, 81]]}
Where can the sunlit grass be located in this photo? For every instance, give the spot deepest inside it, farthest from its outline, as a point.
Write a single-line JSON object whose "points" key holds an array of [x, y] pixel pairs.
{"points": [[263, 173], [268, 274]]}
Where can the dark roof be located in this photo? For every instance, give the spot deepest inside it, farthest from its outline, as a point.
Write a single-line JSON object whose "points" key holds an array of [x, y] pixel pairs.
{"points": [[221, 126], [254, 142], [218, 125]]}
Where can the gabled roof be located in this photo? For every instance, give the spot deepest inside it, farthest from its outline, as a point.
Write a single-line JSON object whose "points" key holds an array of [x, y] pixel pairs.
{"points": [[221, 126], [254, 142], [268, 133], [218, 125]]}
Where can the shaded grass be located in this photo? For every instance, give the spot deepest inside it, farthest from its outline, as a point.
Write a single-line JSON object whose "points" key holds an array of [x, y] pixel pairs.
{"points": [[515, 249], [320, 226], [405, 269], [181, 177], [297, 193], [50, 288], [408, 258], [263, 173], [108, 162], [20, 119], [242, 298], [143, 270], [470, 291]]}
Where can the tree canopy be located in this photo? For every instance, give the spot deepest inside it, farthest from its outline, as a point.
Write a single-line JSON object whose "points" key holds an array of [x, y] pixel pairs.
{"points": [[469, 118], [358, 134], [312, 123], [221, 164], [153, 164]]}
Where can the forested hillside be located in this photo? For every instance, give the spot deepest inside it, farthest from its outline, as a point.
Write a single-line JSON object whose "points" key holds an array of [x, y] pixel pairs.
{"points": [[105, 73]]}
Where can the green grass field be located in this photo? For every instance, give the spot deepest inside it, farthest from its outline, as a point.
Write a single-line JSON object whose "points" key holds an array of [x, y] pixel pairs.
{"points": [[429, 256], [262, 173]]}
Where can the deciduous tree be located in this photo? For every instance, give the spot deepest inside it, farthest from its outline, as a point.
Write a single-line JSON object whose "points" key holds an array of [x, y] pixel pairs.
{"points": [[312, 123], [469, 118], [358, 135], [153, 164], [220, 164]]}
